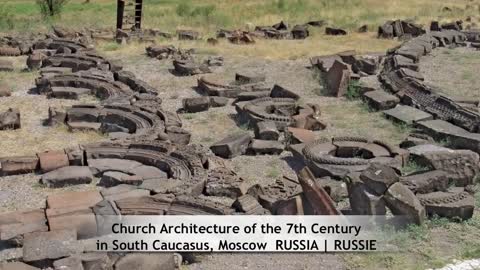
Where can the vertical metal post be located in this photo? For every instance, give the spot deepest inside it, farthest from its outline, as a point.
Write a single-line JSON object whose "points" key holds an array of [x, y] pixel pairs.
{"points": [[120, 10]]}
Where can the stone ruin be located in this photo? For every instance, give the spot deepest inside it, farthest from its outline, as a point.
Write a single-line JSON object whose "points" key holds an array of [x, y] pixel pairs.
{"points": [[437, 115], [168, 52], [128, 109], [444, 188], [401, 29], [340, 156], [245, 84], [339, 70], [281, 30], [148, 166], [10, 119], [277, 122], [183, 61]]}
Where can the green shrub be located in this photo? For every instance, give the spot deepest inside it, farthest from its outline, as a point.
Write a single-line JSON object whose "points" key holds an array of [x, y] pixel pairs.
{"points": [[203, 11], [50, 8], [184, 9], [353, 90], [281, 5], [6, 18]]}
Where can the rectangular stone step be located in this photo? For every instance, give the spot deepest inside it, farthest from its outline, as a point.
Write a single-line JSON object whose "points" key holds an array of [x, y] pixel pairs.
{"points": [[407, 115]]}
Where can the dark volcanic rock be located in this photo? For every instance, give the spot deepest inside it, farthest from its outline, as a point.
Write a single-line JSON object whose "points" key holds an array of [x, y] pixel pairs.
{"points": [[66, 176], [232, 146], [402, 201], [10, 119]]}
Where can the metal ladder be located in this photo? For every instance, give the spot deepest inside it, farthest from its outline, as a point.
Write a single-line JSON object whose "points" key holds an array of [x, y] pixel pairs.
{"points": [[129, 14]]}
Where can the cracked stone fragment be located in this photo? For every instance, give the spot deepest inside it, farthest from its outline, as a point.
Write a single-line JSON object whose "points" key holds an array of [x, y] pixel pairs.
{"points": [[378, 178], [403, 202], [266, 130], [232, 146], [449, 204], [49, 245], [67, 176]]}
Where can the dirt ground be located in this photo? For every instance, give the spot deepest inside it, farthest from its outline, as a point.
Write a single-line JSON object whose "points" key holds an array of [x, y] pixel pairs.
{"points": [[343, 117]]}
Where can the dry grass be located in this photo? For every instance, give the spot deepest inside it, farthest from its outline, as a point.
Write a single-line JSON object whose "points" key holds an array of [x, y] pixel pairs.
{"points": [[33, 137], [317, 44], [453, 71], [234, 14], [208, 15], [432, 245], [353, 118]]}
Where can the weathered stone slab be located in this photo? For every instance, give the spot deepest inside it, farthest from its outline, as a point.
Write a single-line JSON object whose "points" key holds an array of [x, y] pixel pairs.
{"points": [[380, 100], [462, 166], [264, 147], [449, 204], [402, 201], [419, 150], [117, 189], [69, 92], [457, 137], [154, 261], [299, 135], [369, 83], [232, 146], [82, 220], [10, 119], [188, 35], [218, 101], [224, 182], [407, 115], [74, 199], [335, 31], [336, 189], [251, 95], [111, 179], [194, 205], [338, 79], [426, 182], [84, 126], [282, 92], [67, 176], [361, 201], [164, 185], [69, 263], [178, 135], [245, 77], [6, 65], [5, 90], [248, 205], [148, 172], [75, 156], [95, 260], [49, 245], [145, 205], [378, 178], [266, 130], [16, 266], [101, 165], [194, 105], [52, 160], [14, 224], [18, 165], [129, 194]]}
